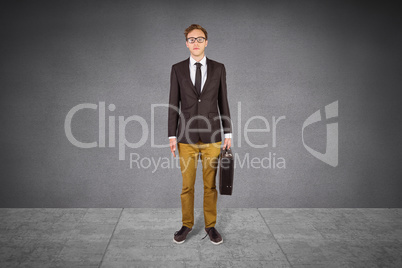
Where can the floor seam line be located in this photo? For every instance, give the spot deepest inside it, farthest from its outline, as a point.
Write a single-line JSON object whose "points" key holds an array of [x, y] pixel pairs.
{"points": [[110, 239], [274, 237]]}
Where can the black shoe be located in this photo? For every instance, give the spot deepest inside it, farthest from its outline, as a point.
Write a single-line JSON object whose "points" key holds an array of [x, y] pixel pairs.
{"points": [[215, 237], [180, 236]]}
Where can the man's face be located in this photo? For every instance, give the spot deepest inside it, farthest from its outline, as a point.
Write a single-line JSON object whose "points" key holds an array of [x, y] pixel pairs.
{"points": [[196, 49]]}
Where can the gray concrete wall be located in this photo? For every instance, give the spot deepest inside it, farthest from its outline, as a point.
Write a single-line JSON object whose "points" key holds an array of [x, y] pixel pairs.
{"points": [[284, 59]]}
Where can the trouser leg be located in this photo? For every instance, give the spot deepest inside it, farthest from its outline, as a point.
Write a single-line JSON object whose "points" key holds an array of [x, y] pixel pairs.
{"points": [[209, 156], [188, 155]]}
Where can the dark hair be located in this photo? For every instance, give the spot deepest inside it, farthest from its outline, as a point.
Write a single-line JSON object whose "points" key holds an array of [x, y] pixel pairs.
{"points": [[193, 27]]}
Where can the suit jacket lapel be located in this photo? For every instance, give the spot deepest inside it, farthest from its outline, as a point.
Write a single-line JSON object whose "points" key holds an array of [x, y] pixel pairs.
{"points": [[210, 68], [186, 67]]}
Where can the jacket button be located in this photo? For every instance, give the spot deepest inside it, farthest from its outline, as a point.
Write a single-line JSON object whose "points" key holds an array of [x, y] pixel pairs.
{"points": [[199, 100]]}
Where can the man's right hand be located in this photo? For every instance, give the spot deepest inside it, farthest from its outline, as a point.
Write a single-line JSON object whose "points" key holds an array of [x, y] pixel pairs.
{"points": [[172, 142]]}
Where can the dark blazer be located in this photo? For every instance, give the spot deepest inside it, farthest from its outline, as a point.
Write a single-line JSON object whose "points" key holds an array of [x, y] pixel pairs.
{"points": [[198, 117]]}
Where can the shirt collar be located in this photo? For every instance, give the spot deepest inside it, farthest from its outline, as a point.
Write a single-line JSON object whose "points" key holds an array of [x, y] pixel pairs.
{"points": [[203, 61]]}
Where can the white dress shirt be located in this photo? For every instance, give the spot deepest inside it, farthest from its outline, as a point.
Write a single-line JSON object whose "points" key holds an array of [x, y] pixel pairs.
{"points": [[193, 69]]}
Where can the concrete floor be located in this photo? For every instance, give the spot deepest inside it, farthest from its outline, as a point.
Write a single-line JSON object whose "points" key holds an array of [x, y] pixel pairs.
{"points": [[252, 238]]}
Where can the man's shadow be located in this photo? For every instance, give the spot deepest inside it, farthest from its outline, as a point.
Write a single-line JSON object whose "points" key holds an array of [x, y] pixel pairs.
{"points": [[199, 224]]}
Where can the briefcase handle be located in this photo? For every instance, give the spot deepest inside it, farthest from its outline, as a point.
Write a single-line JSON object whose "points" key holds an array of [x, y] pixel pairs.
{"points": [[228, 152]]}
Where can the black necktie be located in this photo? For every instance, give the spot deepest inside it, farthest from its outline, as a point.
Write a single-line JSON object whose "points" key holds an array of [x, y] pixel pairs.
{"points": [[198, 77]]}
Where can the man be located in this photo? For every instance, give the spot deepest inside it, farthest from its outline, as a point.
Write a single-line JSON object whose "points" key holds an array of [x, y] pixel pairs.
{"points": [[198, 86]]}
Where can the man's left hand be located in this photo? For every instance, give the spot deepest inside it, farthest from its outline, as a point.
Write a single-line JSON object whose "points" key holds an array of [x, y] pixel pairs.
{"points": [[228, 143]]}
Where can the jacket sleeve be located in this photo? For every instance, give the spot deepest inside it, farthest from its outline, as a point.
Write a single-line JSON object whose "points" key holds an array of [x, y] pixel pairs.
{"points": [[174, 100], [224, 104]]}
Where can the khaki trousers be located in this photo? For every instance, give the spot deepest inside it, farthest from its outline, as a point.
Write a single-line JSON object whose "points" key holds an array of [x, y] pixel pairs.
{"points": [[189, 155]]}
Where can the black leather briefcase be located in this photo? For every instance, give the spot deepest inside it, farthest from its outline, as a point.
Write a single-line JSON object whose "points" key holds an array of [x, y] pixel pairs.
{"points": [[226, 171]]}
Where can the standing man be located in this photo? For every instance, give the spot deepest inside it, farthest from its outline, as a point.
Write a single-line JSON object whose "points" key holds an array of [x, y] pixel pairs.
{"points": [[198, 85]]}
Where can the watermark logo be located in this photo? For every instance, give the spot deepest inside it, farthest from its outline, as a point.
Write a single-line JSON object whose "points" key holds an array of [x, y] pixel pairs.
{"points": [[110, 123], [331, 152]]}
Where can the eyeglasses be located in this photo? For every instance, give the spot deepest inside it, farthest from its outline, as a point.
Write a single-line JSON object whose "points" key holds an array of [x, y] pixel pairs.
{"points": [[191, 40]]}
